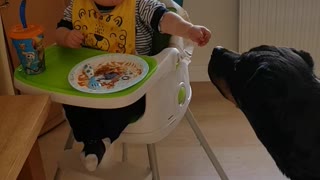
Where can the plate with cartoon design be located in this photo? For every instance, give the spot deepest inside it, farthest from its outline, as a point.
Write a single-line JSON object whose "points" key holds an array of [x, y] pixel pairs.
{"points": [[113, 72]]}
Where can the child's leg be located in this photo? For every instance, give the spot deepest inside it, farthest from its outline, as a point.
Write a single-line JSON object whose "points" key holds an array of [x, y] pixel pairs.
{"points": [[93, 152], [92, 125], [88, 127]]}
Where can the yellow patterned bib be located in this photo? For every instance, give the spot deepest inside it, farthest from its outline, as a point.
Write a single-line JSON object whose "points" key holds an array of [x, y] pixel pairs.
{"points": [[113, 32]]}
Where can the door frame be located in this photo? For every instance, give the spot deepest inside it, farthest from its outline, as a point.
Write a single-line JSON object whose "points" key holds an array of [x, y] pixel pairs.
{"points": [[7, 87]]}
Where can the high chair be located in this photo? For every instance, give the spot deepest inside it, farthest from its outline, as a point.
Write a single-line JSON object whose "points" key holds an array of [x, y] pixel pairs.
{"points": [[168, 94]]}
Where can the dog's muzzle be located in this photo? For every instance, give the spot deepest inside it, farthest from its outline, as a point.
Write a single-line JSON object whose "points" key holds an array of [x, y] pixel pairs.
{"points": [[220, 68]]}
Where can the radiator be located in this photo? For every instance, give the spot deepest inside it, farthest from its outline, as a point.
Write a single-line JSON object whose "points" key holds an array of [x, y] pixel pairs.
{"points": [[290, 23]]}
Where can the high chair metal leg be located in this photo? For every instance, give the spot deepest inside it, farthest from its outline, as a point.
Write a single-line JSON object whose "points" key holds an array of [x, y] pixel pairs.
{"points": [[124, 152], [68, 145], [70, 141], [195, 127], [153, 161]]}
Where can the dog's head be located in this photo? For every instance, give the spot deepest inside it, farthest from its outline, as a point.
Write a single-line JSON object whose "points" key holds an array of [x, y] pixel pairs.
{"points": [[264, 73]]}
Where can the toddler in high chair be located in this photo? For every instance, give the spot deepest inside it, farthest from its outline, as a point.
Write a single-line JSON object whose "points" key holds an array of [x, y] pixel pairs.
{"points": [[115, 26]]}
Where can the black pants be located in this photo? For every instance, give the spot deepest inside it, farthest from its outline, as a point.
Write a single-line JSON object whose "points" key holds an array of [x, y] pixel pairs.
{"points": [[95, 124]]}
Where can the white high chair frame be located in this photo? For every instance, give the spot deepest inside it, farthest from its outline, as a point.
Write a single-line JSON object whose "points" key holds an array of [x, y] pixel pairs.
{"points": [[162, 114]]}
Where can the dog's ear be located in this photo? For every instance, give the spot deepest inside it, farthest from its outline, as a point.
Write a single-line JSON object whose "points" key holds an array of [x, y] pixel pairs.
{"points": [[305, 56], [265, 84]]}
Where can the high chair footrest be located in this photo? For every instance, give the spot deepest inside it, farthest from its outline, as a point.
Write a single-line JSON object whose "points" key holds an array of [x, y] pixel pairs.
{"points": [[70, 168]]}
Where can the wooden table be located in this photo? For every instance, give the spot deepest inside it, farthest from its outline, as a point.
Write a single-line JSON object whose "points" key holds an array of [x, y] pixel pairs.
{"points": [[21, 119]]}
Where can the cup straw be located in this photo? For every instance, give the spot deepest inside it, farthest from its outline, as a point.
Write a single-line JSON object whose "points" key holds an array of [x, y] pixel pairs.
{"points": [[23, 14]]}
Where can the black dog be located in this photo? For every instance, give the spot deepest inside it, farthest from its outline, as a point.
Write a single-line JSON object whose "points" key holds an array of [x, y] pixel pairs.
{"points": [[279, 94]]}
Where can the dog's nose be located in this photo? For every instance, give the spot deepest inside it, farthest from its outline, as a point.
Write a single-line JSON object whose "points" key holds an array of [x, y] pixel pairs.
{"points": [[217, 50]]}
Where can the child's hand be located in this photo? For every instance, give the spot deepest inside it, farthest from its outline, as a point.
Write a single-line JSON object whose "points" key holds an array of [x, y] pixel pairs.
{"points": [[73, 39], [199, 34]]}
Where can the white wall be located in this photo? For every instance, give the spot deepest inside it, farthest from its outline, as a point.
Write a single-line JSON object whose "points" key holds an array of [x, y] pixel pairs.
{"points": [[222, 18]]}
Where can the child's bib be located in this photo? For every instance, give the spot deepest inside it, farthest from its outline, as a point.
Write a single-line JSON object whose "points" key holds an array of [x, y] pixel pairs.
{"points": [[113, 32]]}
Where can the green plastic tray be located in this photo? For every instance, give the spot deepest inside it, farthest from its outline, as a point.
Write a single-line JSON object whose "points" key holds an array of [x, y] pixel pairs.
{"points": [[59, 61]]}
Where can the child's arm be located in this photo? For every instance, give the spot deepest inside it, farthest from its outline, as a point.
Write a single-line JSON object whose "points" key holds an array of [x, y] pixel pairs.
{"points": [[65, 35], [68, 38], [175, 25]]}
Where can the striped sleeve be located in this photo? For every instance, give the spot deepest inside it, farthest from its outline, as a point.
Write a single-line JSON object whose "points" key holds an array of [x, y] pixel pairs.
{"points": [[147, 9], [67, 14]]}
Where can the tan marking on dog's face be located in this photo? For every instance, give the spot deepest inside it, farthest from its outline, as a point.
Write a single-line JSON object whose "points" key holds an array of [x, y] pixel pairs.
{"points": [[224, 89]]}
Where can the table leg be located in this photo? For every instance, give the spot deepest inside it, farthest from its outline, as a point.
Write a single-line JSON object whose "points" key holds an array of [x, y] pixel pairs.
{"points": [[33, 167]]}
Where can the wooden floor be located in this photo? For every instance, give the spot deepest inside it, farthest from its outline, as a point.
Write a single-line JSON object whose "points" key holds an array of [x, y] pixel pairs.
{"points": [[180, 155]]}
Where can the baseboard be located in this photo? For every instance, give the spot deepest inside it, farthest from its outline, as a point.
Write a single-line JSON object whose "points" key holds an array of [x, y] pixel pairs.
{"points": [[198, 73]]}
